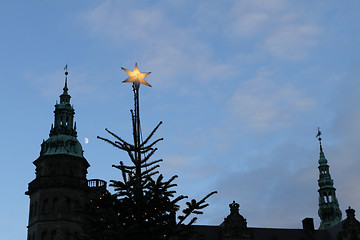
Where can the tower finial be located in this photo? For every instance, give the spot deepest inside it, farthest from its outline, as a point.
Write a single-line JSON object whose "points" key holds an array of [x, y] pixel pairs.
{"points": [[66, 73], [318, 136]]}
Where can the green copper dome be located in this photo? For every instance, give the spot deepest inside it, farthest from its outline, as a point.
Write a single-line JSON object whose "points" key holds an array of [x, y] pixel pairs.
{"points": [[61, 144]]}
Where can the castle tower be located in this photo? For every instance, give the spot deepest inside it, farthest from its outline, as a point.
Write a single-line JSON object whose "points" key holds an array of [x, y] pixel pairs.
{"points": [[60, 185], [329, 211]]}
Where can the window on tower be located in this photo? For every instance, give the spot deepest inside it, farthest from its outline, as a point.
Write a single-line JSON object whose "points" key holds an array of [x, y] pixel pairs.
{"points": [[55, 206], [43, 235], [45, 207], [67, 207], [53, 235], [67, 236], [35, 209]]}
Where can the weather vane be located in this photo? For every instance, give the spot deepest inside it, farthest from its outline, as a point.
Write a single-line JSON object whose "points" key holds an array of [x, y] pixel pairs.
{"points": [[65, 69], [318, 135], [136, 76]]}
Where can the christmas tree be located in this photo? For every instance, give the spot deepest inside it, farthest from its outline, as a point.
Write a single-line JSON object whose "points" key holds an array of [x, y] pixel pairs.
{"points": [[144, 205]]}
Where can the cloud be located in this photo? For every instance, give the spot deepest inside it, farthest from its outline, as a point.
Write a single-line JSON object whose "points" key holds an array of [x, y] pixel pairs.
{"points": [[166, 47], [190, 52], [191, 166], [177, 162], [290, 41], [250, 23], [275, 5], [122, 22], [263, 104], [284, 31], [249, 19]]}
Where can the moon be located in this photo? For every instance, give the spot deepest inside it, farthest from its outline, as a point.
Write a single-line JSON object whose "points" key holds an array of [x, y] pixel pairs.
{"points": [[86, 140]]}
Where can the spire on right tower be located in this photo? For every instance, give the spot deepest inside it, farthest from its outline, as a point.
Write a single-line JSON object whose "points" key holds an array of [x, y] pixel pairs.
{"points": [[329, 211]]}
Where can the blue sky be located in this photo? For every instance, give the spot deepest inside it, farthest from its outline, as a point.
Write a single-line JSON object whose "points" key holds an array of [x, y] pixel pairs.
{"points": [[241, 87]]}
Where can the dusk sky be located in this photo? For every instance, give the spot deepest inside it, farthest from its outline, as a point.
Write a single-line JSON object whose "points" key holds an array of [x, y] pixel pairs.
{"points": [[241, 87]]}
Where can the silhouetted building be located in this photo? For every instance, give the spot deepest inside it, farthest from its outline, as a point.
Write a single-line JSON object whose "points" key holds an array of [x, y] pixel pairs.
{"points": [[234, 228], [60, 187]]}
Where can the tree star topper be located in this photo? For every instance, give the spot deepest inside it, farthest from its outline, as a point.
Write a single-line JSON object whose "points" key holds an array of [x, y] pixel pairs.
{"points": [[136, 76]]}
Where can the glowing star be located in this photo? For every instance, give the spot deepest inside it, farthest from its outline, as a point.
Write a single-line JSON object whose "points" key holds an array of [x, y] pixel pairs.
{"points": [[136, 76]]}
